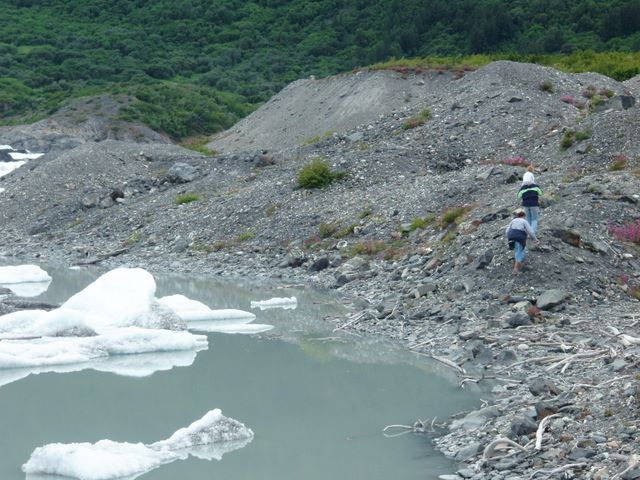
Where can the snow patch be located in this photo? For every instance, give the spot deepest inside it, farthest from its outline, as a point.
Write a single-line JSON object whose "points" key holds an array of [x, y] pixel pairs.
{"points": [[8, 167]]}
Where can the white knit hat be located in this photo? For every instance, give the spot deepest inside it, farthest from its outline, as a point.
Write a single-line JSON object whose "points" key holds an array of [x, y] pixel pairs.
{"points": [[528, 178]]}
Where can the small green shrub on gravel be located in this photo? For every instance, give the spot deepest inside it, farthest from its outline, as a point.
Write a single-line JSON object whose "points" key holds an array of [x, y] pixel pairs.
{"points": [[368, 247], [451, 216], [620, 162], [317, 174], [325, 230], [418, 120], [546, 86], [187, 198]]}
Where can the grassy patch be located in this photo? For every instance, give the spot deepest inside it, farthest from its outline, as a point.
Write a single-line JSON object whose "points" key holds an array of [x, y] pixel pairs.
{"points": [[619, 162], [133, 238], [452, 216], [317, 138], [248, 235], [417, 120], [368, 247], [365, 213], [326, 230], [572, 136], [198, 144]]}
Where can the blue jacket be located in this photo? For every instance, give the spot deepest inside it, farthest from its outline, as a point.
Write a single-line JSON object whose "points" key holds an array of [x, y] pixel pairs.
{"points": [[529, 195]]}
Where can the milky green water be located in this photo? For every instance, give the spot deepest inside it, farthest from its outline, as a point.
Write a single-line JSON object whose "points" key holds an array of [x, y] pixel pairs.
{"points": [[317, 404]]}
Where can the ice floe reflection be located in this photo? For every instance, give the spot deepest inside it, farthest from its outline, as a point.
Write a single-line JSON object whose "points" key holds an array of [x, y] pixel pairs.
{"points": [[285, 303], [208, 438], [117, 315], [25, 280]]}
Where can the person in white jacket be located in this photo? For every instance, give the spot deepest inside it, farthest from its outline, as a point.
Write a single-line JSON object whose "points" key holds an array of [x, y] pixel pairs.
{"points": [[517, 233]]}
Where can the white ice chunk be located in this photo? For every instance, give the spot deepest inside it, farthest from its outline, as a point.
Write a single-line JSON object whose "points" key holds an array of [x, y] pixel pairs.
{"points": [[277, 302], [212, 428], [100, 461], [1, 189], [23, 274], [119, 298], [220, 327], [70, 350], [25, 156], [8, 167], [208, 438], [194, 311]]}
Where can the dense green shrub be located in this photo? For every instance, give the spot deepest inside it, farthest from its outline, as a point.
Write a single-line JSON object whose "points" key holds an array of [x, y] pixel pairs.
{"points": [[317, 174]]}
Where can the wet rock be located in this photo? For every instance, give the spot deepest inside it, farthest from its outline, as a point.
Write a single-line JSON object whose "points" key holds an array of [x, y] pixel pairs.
{"points": [[468, 452], [319, 265], [522, 426], [476, 418], [466, 473]]}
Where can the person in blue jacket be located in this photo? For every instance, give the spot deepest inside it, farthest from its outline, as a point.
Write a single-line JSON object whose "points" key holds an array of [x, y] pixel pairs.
{"points": [[529, 194], [517, 233]]}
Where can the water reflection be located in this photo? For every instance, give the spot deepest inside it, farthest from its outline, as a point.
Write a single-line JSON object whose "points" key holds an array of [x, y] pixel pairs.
{"points": [[141, 365]]}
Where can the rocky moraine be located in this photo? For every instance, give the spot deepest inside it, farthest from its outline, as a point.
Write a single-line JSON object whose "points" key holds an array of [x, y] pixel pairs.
{"points": [[410, 234]]}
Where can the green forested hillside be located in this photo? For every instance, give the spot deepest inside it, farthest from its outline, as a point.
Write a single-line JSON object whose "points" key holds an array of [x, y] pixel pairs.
{"points": [[179, 56]]}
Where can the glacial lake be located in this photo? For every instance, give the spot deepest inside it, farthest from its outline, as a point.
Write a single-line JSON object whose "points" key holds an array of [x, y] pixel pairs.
{"points": [[317, 401]]}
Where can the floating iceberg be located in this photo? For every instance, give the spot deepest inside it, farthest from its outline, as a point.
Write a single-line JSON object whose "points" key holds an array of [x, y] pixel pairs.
{"points": [[194, 311], [201, 318], [23, 274], [209, 438], [116, 315], [237, 328], [277, 302], [25, 280]]}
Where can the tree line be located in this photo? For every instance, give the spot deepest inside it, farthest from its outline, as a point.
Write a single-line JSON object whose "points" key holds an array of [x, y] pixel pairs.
{"points": [[230, 55]]}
